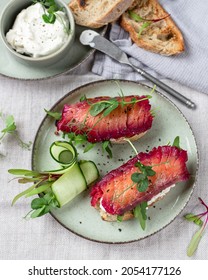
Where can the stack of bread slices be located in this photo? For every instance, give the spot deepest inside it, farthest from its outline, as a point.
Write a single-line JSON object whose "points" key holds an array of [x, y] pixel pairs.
{"points": [[148, 24]]}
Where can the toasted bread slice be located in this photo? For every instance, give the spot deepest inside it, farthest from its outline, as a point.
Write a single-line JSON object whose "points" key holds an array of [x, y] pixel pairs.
{"points": [[151, 28], [98, 13]]}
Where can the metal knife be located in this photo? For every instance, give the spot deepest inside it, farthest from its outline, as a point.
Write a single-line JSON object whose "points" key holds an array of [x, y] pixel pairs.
{"points": [[96, 41]]}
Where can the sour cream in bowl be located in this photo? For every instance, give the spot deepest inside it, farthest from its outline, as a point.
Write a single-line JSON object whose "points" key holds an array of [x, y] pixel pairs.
{"points": [[37, 34]]}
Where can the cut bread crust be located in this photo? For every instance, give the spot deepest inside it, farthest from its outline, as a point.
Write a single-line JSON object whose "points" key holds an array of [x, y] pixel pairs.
{"points": [[162, 36], [95, 14], [122, 140]]}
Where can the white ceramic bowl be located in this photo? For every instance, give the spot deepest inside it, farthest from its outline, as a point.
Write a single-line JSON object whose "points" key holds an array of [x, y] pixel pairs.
{"points": [[7, 19]]}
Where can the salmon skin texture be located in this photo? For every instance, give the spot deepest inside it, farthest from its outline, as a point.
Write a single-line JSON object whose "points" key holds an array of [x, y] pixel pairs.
{"points": [[124, 121], [117, 193]]}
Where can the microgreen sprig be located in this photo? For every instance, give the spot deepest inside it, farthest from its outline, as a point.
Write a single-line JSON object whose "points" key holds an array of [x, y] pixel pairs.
{"points": [[197, 219], [42, 184], [55, 115], [107, 106], [51, 8], [11, 128], [141, 178]]}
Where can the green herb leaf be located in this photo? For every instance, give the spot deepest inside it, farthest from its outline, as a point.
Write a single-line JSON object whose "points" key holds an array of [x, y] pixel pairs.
{"points": [[23, 193], [140, 213], [141, 179], [119, 218], [110, 108], [83, 98], [135, 16], [106, 147], [39, 212], [97, 108], [55, 115], [149, 171], [194, 243], [37, 203], [10, 125], [176, 142], [39, 190], [80, 139], [143, 185], [137, 177], [105, 144], [144, 26], [89, 147], [193, 218], [50, 18]]}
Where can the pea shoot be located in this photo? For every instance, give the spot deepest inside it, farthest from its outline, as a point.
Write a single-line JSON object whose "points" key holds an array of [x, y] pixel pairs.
{"points": [[11, 129], [51, 8], [141, 178]]}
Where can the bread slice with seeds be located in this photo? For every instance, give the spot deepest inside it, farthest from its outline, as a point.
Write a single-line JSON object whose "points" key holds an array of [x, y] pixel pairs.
{"points": [[152, 28]]}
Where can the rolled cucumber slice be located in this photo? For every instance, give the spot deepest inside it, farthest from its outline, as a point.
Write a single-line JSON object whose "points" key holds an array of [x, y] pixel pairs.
{"points": [[69, 185], [90, 171], [65, 154], [74, 181]]}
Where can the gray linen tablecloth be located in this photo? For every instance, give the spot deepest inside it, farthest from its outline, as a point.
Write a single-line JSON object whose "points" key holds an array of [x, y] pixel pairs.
{"points": [[44, 238]]}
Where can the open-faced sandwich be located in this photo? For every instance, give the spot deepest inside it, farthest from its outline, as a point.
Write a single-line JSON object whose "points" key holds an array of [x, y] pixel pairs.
{"points": [[140, 182], [105, 118]]}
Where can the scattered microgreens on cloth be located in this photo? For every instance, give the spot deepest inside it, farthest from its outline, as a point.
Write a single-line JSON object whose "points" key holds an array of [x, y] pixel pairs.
{"points": [[145, 22], [193, 245], [51, 9], [11, 128]]}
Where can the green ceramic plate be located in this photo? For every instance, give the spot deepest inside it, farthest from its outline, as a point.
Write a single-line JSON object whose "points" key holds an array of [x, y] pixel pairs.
{"points": [[78, 216], [78, 53]]}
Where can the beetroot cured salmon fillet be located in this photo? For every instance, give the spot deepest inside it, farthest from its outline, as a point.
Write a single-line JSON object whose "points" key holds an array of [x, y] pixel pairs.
{"points": [[117, 193], [124, 121]]}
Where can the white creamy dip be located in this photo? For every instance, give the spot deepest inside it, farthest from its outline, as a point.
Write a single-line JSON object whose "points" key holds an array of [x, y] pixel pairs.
{"points": [[32, 36]]}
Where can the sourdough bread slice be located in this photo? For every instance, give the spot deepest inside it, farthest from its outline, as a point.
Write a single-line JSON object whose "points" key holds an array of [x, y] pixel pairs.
{"points": [[161, 35], [98, 13]]}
